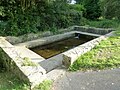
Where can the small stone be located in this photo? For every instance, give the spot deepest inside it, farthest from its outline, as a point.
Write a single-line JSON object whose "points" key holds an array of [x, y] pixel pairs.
{"points": [[112, 83], [83, 88], [70, 79], [88, 83], [93, 84], [98, 70]]}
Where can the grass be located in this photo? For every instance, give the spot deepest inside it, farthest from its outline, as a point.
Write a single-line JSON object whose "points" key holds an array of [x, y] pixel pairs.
{"points": [[103, 56]]}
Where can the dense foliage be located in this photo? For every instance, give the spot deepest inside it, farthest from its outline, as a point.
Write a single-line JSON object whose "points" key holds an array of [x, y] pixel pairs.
{"points": [[25, 16]]}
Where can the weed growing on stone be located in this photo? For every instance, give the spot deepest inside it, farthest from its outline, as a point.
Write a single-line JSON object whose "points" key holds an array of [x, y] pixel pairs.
{"points": [[45, 85], [27, 62]]}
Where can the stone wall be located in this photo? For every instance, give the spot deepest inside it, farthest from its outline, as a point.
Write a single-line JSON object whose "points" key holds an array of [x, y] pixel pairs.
{"points": [[11, 66]]}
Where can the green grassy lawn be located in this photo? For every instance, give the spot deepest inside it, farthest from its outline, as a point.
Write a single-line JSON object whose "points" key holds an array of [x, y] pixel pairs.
{"points": [[103, 56]]}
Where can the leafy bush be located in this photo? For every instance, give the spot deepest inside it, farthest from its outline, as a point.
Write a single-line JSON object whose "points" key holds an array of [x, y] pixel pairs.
{"points": [[39, 15], [76, 12]]}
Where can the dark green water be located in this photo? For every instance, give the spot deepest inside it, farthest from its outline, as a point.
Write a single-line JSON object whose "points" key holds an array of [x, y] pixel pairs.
{"points": [[58, 47]]}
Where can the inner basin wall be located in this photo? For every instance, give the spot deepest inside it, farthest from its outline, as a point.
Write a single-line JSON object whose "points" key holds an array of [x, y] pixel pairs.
{"points": [[46, 40]]}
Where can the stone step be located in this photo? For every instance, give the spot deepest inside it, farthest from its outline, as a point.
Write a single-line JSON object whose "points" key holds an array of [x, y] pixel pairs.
{"points": [[52, 63]]}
